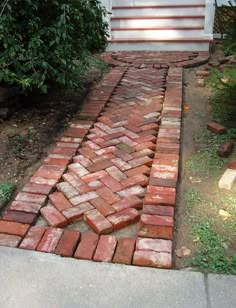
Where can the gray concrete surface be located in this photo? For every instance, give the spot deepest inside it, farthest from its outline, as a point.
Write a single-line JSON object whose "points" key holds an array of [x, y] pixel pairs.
{"points": [[32, 279]]}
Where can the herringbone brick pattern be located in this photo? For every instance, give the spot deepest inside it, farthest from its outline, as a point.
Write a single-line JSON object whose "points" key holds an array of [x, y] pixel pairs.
{"points": [[115, 166]]}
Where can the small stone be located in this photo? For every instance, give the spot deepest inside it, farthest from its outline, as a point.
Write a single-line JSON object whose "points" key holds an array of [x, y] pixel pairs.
{"points": [[227, 179], [183, 252], [225, 149]]}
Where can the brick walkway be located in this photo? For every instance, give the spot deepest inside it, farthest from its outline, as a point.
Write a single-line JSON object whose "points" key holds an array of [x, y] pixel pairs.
{"points": [[116, 166]]}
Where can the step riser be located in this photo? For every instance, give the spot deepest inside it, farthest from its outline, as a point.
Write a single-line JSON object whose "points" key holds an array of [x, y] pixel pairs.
{"points": [[154, 23], [155, 2], [158, 12], [159, 46], [158, 34]]}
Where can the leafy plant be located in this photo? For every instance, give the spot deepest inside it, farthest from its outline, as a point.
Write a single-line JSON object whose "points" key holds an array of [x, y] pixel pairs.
{"points": [[48, 42], [6, 190]]}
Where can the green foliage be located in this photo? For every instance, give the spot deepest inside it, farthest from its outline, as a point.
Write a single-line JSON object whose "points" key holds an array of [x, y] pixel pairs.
{"points": [[6, 190], [192, 197], [47, 42], [211, 249]]}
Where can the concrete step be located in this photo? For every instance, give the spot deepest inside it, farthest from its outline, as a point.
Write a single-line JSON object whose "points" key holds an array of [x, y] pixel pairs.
{"points": [[154, 22], [155, 2], [125, 33], [129, 11]]}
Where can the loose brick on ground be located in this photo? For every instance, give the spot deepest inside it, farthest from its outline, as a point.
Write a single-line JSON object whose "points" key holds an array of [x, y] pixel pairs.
{"points": [[103, 206], [50, 240], [124, 218], [105, 248], [152, 259], [76, 212], [98, 222], [59, 201], [67, 243], [32, 238], [129, 202], [87, 246], [37, 188], [53, 217], [25, 207]]}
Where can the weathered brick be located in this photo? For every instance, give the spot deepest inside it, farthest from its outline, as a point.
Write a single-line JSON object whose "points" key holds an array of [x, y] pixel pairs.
{"points": [[59, 201], [129, 202], [98, 222], [25, 206], [112, 183], [138, 179], [131, 191], [37, 188], [31, 198], [155, 198], [32, 238], [9, 240], [120, 164], [216, 128], [56, 161], [50, 240], [152, 231], [124, 251], [124, 218], [67, 243], [226, 149], [116, 173], [63, 152], [67, 189], [14, 228], [157, 245], [157, 220], [145, 160], [78, 169], [108, 195], [99, 166], [105, 248], [161, 210], [103, 206], [81, 159], [145, 145], [144, 152], [76, 212], [23, 217], [76, 132], [87, 246], [94, 176], [138, 170], [50, 172], [53, 217], [83, 198], [42, 181], [71, 145], [152, 259]]}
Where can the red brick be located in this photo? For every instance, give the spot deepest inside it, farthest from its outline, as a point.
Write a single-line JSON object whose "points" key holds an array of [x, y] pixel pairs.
{"points": [[150, 126], [116, 173], [122, 155], [94, 176], [67, 243], [71, 139], [56, 161], [156, 220], [144, 152], [78, 170], [66, 152], [226, 149], [32, 238], [155, 198], [50, 172], [160, 210], [102, 206], [99, 166], [145, 145], [232, 165], [140, 179], [154, 181], [13, 228], [138, 170], [112, 183], [70, 145], [130, 202], [75, 132], [105, 248], [37, 188], [152, 231], [60, 201], [121, 164], [202, 73], [9, 240], [98, 222], [124, 218], [73, 180], [67, 189], [157, 245], [83, 198], [161, 190], [42, 181], [31, 198], [25, 207], [168, 148], [124, 251], [81, 159], [152, 259], [145, 160], [131, 191], [25, 218], [87, 246], [76, 212], [53, 217], [87, 153], [108, 195], [50, 240], [165, 156]]}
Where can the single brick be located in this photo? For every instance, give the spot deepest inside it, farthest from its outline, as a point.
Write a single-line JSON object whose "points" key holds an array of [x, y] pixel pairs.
{"points": [[155, 198], [116, 173], [138, 179], [112, 183], [157, 245], [138, 170], [108, 195], [50, 240], [25, 207], [59, 201], [152, 231], [216, 128], [226, 149], [130, 191], [32, 238], [152, 259], [232, 165], [67, 243], [37, 188], [83, 198], [87, 246], [9, 240], [75, 132], [53, 217], [98, 222], [130, 202], [67, 189], [56, 161], [136, 162], [228, 178], [50, 172], [78, 170], [42, 181], [31, 198], [63, 152], [14, 228], [94, 176], [124, 251], [161, 210], [124, 218], [102, 206], [76, 212], [105, 248], [99, 166], [23, 217], [156, 220]]}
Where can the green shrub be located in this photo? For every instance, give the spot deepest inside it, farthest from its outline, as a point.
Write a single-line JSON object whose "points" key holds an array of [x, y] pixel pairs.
{"points": [[47, 42]]}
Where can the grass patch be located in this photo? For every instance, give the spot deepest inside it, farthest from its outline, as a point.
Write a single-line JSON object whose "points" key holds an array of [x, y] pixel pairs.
{"points": [[192, 198], [6, 190]]}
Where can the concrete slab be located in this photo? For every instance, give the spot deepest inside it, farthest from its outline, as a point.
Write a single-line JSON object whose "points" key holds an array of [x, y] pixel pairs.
{"points": [[222, 291], [32, 279]]}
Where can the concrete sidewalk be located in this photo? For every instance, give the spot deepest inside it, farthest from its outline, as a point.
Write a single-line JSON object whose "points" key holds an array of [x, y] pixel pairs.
{"points": [[34, 279]]}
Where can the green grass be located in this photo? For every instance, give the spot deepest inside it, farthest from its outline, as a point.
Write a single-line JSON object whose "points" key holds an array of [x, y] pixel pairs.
{"points": [[6, 190], [192, 198], [211, 248]]}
